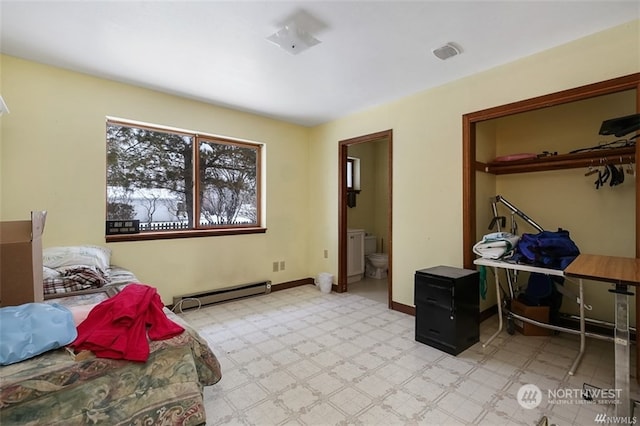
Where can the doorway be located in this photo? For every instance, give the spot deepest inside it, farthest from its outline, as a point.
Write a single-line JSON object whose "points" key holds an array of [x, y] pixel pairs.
{"points": [[382, 144]]}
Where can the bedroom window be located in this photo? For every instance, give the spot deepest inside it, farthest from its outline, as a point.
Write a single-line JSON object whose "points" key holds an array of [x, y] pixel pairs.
{"points": [[175, 183]]}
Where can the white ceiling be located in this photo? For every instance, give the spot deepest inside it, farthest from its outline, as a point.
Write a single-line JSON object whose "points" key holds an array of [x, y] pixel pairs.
{"points": [[371, 52]]}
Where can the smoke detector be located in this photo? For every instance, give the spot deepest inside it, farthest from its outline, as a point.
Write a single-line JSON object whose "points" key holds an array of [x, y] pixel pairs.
{"points": [[447, 51]]}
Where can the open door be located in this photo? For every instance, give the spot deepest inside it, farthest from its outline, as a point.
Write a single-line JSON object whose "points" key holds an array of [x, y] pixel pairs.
{"points": [[343, 206]]}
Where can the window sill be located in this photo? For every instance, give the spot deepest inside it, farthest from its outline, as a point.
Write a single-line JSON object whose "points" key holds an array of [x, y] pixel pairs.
{"points": [[147, 236]]}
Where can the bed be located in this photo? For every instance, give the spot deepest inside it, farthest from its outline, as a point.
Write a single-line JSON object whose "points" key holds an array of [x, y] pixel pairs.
{"points": [[63, 388], [75, 269]]}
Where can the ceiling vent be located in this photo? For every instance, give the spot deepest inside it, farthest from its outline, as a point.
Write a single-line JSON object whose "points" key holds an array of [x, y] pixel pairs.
{"points": [[447, 51], [297, 31]]}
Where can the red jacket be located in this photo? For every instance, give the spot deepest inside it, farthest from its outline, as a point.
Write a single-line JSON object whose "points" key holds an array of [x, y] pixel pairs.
{"points": [[117, 327]]}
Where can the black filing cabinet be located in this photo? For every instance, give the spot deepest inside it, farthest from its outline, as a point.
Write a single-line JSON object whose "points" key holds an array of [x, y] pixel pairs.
{"points": [[447, 308]]}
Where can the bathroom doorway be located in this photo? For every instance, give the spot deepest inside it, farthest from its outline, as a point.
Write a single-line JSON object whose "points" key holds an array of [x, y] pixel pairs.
{"points": [[367, 205]]}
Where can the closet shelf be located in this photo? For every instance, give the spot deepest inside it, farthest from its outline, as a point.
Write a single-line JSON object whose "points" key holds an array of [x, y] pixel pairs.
{"points": [[559, 162]]}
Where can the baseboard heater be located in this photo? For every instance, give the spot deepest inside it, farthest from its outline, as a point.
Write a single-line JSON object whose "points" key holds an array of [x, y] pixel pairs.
{"points": [[194, 300]]}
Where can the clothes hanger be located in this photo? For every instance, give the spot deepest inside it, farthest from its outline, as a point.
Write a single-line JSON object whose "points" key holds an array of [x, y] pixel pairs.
{"points": [[614, 175], [630, 169], [621, 171], [591, 170], [603, 176]]}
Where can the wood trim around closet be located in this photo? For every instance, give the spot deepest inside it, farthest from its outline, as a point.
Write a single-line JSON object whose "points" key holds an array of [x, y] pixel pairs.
{"points": [[637, 222], [470, 120], [637, 240], [628, 82]]}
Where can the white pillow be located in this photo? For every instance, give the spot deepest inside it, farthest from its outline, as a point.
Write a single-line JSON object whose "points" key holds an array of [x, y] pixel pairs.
{"points": [[96, 256], [48, 273]]}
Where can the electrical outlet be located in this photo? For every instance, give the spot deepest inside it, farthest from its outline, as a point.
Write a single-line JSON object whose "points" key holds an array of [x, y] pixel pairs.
{"points": [[275, 266], [326, 254], [282, 265]]}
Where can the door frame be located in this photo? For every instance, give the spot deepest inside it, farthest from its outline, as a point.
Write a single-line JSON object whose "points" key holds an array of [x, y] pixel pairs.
{"points": [[342, 206]]}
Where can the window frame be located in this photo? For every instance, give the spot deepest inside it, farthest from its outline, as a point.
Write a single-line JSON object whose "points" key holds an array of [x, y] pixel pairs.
{"points": [[353, 174], [197, 231], [350, 173]]}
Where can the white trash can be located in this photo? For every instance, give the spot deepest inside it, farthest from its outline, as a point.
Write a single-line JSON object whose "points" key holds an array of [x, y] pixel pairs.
{"points": [[324, 281]]}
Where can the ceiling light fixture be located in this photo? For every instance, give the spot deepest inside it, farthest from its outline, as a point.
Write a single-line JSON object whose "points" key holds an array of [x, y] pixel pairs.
{"points": [[293, 38], [297, 33], [447, 51]]}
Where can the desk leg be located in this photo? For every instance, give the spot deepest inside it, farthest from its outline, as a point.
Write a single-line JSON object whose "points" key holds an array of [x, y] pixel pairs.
{"points": [[499, 299], [574, 366], [621, 349]]}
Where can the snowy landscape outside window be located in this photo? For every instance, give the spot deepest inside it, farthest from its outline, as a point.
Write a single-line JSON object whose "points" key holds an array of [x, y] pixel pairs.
{"points": [[179, 182]]}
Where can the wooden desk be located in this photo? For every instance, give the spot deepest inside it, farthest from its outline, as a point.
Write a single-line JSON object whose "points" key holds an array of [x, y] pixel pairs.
{"points": [[612, 269], [622, 272]]}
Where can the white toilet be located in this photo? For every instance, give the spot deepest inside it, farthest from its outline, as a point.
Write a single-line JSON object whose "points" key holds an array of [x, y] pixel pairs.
{"points": [[376, 264]]}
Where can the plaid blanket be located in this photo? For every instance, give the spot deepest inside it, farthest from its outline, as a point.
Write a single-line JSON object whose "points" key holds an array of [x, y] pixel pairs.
{"points": [[73, 279]]}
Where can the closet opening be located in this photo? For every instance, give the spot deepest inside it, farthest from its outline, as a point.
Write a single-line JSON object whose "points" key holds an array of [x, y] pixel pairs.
{"points": [[557, 187]]}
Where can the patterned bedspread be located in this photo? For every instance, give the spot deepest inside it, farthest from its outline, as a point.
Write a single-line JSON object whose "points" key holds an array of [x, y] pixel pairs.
{"points": [[57, 388]]}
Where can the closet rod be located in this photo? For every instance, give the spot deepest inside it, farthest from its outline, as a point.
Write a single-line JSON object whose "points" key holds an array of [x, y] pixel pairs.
{"points": [[562, 161]]}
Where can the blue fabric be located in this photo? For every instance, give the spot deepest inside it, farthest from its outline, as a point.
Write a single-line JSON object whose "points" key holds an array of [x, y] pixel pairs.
{"points": [[34, 328], [539, 287], [550, 249], [541, 291]]}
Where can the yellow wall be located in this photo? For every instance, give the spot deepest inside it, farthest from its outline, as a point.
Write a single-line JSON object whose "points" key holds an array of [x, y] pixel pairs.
{"points": [[53, 152], [53, 158], [427, 145], [381, 183]]}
